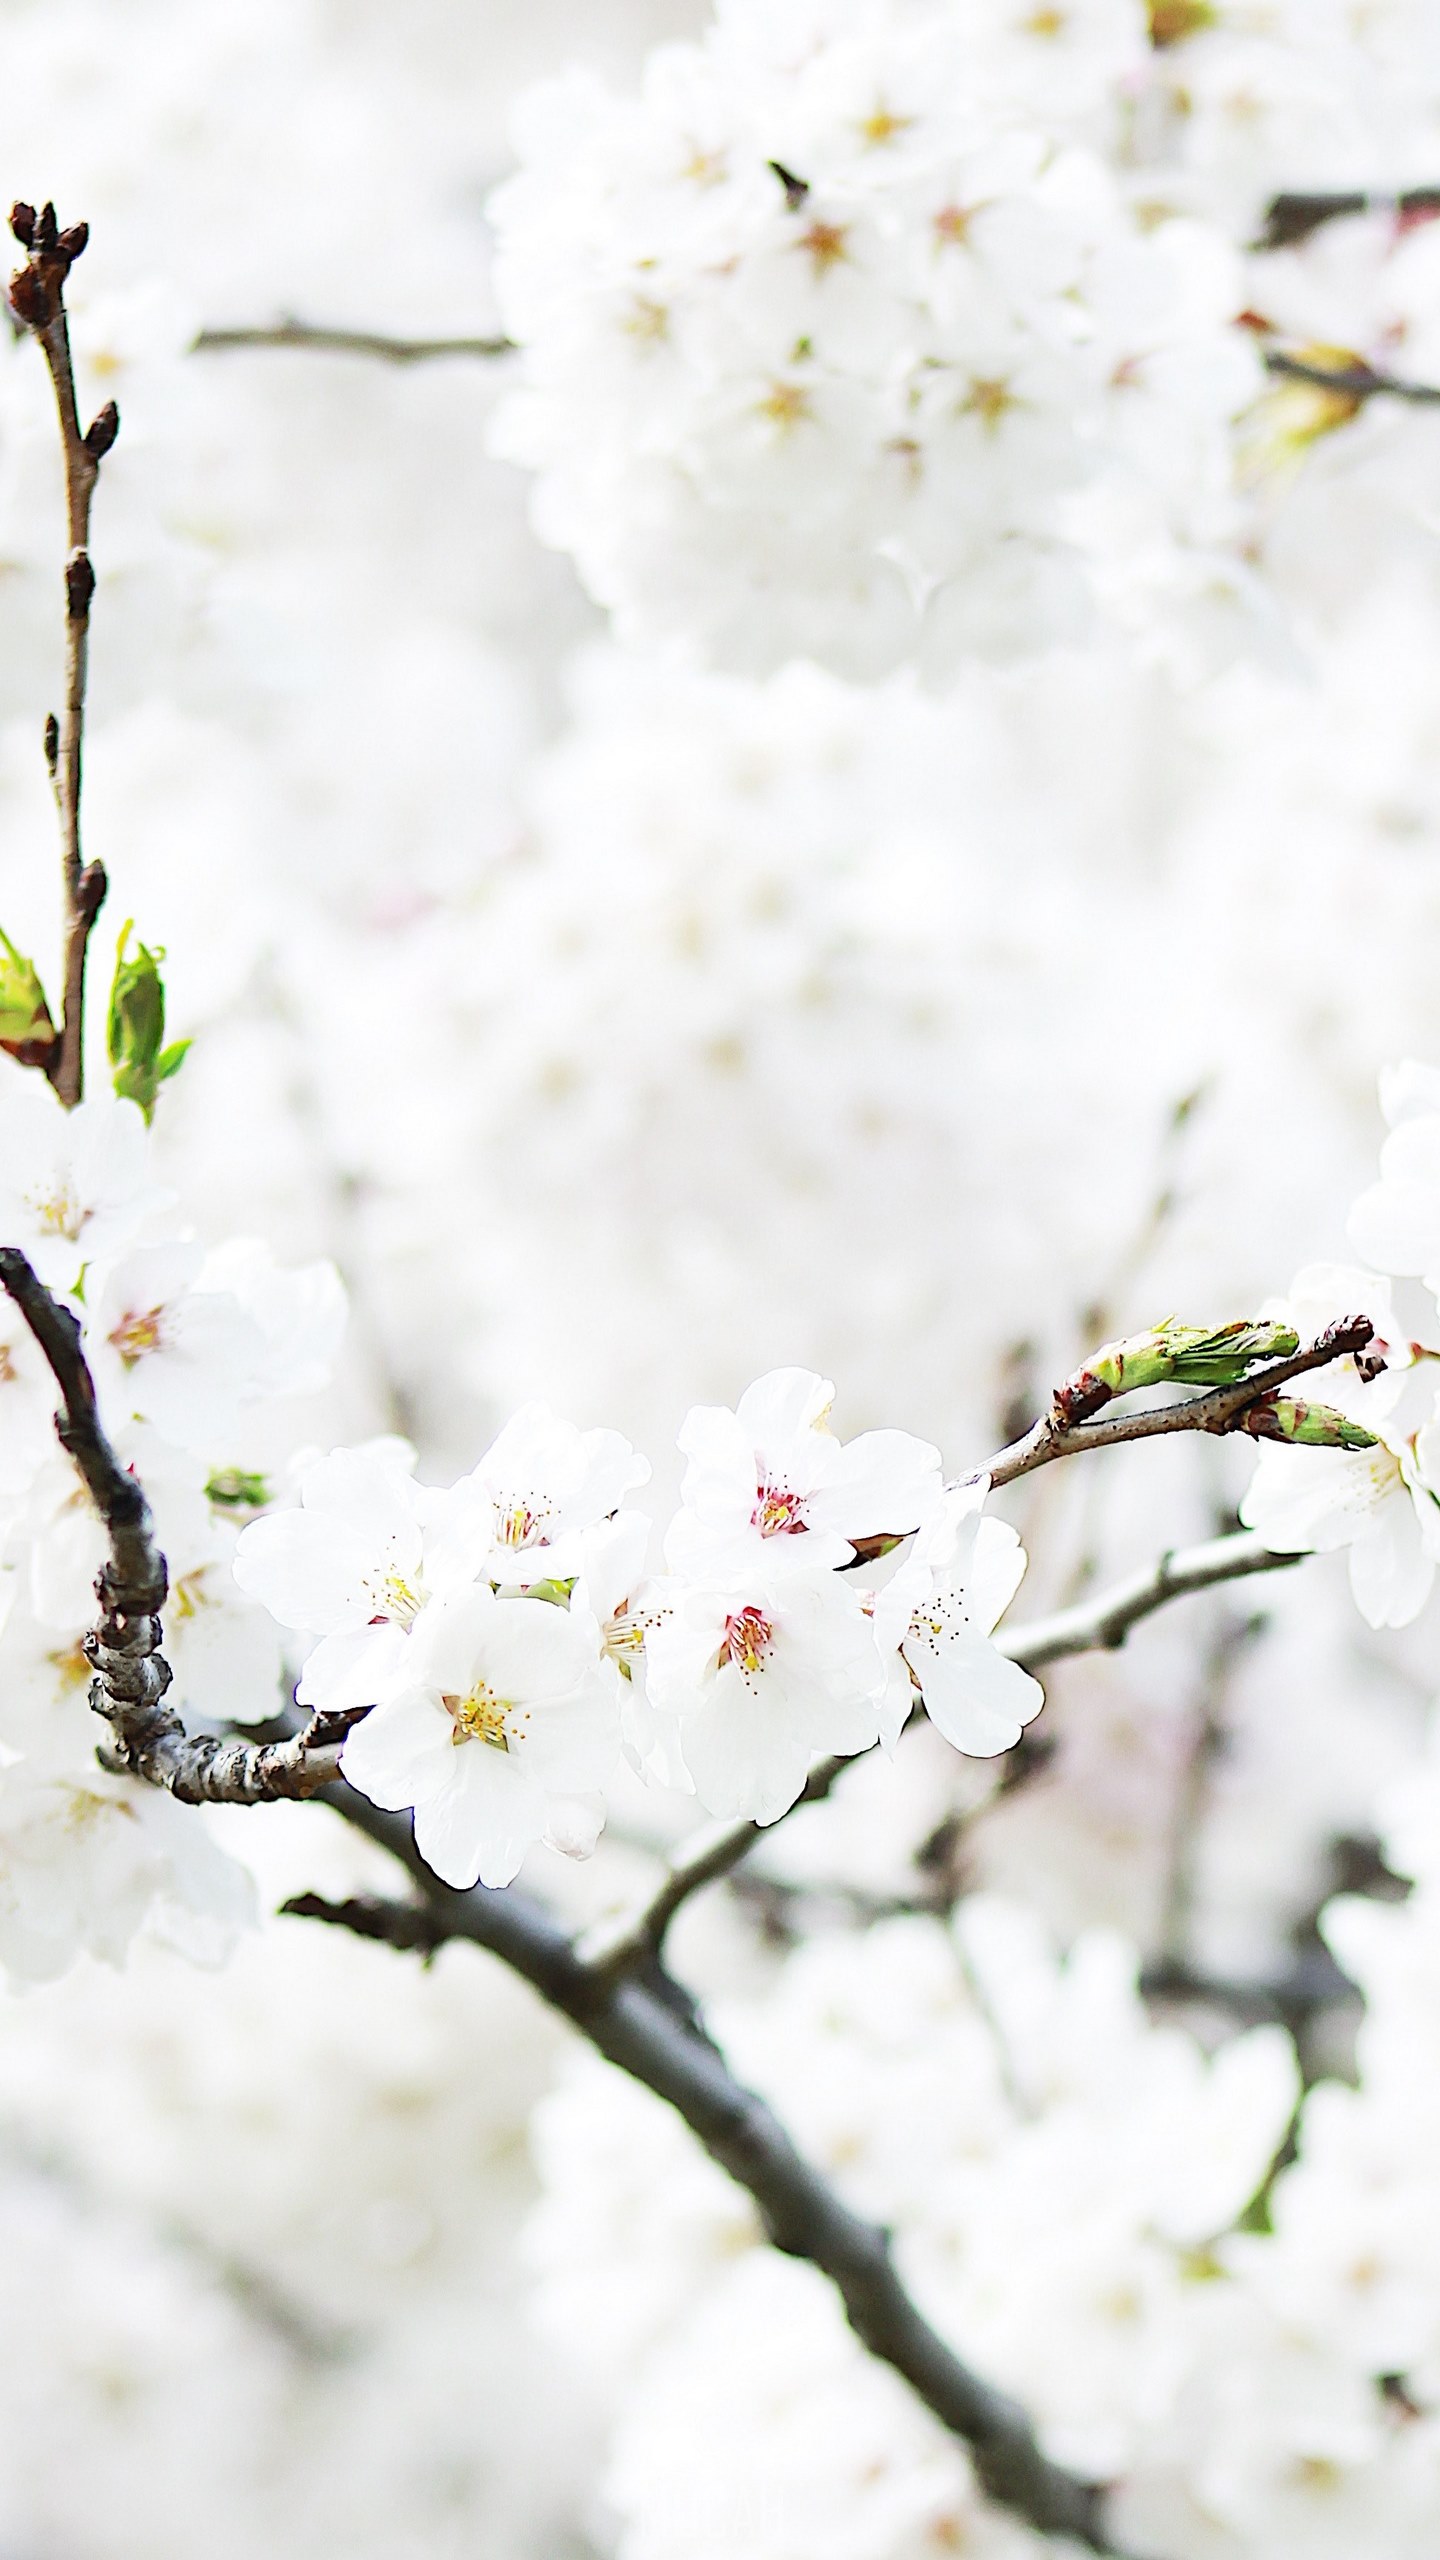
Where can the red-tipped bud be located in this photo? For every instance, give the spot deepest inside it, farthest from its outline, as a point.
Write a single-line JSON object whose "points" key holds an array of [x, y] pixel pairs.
{"points": [[22, 223]]}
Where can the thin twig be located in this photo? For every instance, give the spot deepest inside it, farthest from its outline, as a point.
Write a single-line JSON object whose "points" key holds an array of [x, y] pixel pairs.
{"points": [[1313, 1985], [1352, 382], [642, 2027], [347, 342], [131, 1673], [1220, 1410], [37, 298], [407, 1925], [635, 1938], [1292, 218]]}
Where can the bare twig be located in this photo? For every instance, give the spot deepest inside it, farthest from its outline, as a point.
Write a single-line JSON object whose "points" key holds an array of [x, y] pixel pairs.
{"points": [[1352, 382], [37, 298], [642, 2027], [1221, 1410], [408, 1925], [1289, 219], [636, 1938], [309, 334], [131, 1673]]}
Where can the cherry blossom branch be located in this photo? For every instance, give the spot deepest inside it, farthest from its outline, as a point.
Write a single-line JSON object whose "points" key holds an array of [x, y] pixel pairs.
{"points": [[613, 1948], [1291, 219], [1222, 1409], [37, 298], [131, 1673], [645, 2029], [1353, 382], [348, 342]]}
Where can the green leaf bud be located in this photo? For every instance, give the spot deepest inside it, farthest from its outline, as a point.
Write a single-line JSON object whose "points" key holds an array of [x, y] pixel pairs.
{"points": [[1189, 1355], [1303, 1426], [26, 1030], [139, 1060]]}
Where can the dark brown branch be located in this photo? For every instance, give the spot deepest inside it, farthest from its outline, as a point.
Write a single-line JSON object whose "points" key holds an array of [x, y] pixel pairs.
{"points": [[348, 342], [1220, 1410], [408, 1925], [37, 298], [131, 1673], [614, 1947], [1313, 1984], [1354, 382], [643, 2028], [1290, 219]]}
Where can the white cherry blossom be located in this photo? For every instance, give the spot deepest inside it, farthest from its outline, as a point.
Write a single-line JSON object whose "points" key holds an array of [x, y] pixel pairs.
{"points": [[939, 1611], [540, 1486], [355, 1564], [769, 1487], [166, 1349], [1396, 1224], [614, 1592], [1381, 1504], [503, 1734], [74, 1185], [764, 1673]]}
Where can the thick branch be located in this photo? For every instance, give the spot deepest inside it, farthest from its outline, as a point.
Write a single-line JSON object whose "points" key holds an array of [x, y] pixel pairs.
{"points": [[641, 2027], [37, 297], [616, 1947], [348, 342], [131, 1673], [1220, 1410], [1352, 382]]}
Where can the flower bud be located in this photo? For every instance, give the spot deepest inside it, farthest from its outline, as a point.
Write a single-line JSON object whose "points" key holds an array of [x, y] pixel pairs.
{"points": [[140, 1062], [1304, 1426], [1189, 1355], [26, 1030]]}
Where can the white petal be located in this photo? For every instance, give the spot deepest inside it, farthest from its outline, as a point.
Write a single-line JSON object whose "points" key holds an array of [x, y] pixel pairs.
{"points": [[782, 1405], [478, 1828], [401, 1753], [980, 1701]]}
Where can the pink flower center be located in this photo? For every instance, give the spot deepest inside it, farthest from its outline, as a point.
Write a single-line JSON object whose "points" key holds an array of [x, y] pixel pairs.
{"points": [[747, 1639], [778, 1512]]}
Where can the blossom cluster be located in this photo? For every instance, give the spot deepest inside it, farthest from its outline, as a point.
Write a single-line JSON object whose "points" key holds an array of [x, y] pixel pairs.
{"points": [[839, 343], [888, 337], [194, 1354], [509, 1643]]}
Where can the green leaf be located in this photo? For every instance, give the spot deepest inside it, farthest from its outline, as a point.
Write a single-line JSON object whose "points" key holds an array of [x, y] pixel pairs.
{"points": [[140, 1062]]}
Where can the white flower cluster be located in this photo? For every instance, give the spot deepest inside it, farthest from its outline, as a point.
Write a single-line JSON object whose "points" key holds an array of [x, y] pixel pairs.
{"points": [[188, 1349], [838, 344], [1083, 2203], [1381, 1504], [508, 1641]]}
